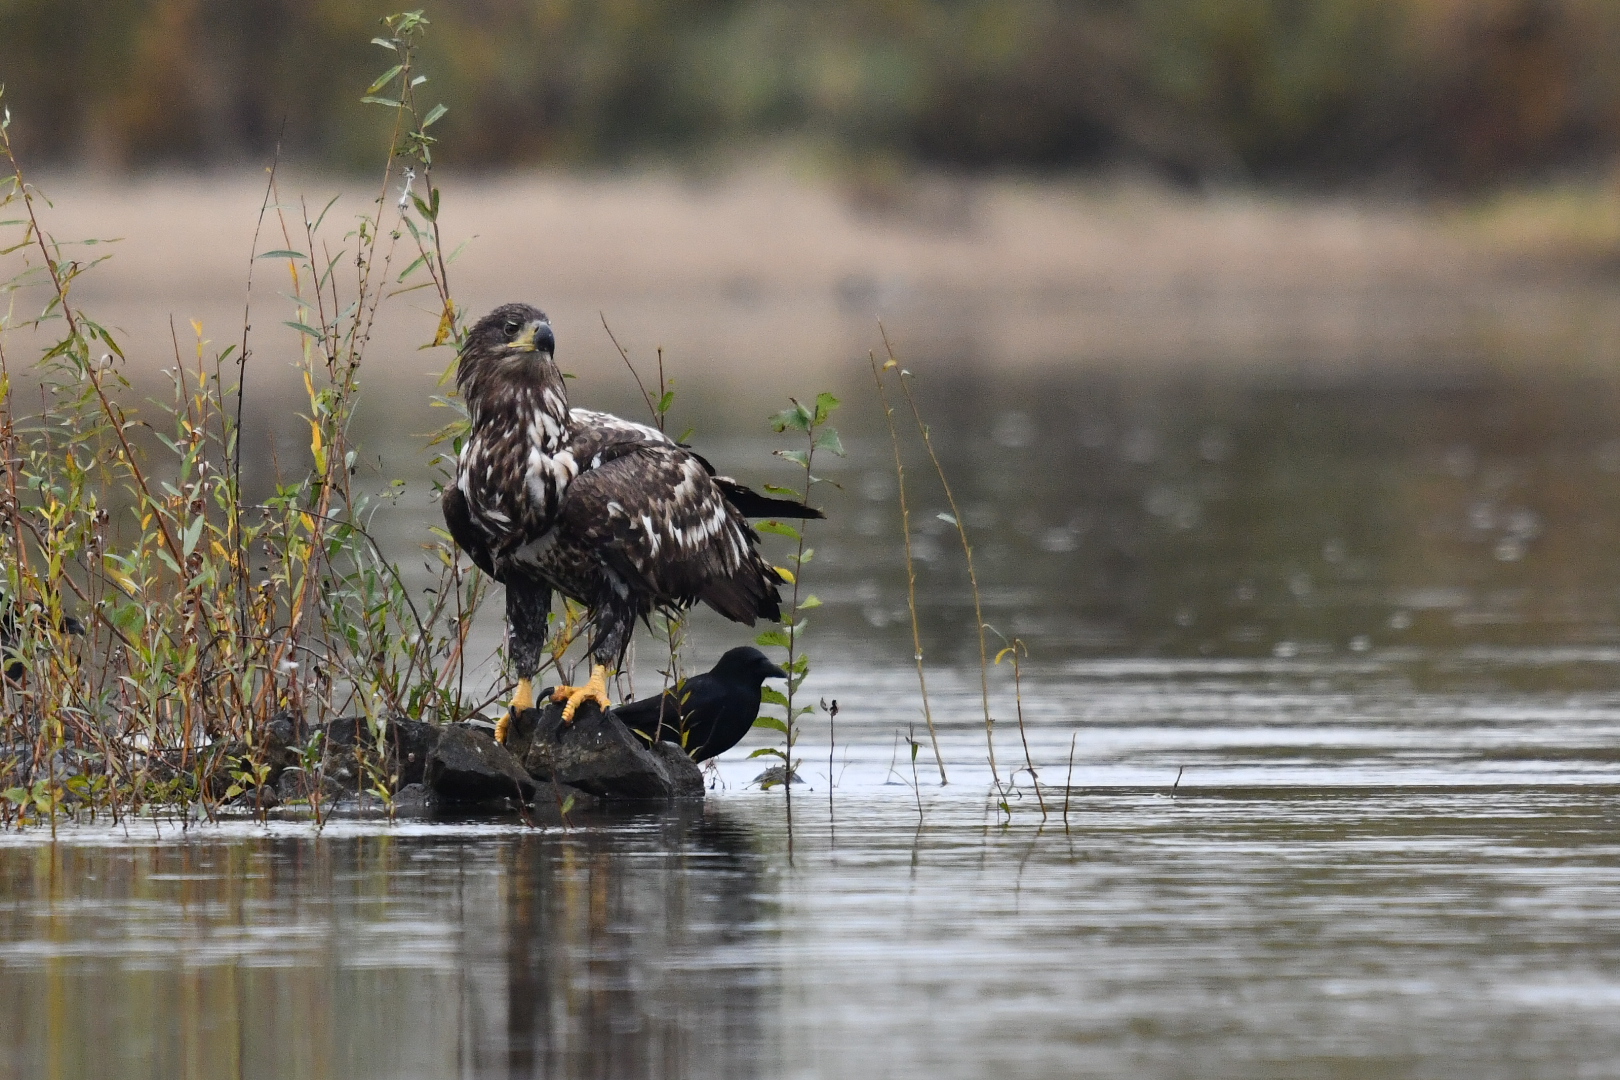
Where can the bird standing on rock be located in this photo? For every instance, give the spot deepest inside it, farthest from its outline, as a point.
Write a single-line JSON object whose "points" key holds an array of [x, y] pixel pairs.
{"points": [[707, 714], [613, 514]]}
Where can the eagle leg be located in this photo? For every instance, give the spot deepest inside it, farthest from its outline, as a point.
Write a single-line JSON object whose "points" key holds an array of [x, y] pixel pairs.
{"points": [[595, 690], [528, 603], [522, 701]]}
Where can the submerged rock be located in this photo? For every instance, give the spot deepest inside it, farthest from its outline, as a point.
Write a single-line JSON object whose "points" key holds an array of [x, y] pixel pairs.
{"points": [[598, 754], [466, 765]]}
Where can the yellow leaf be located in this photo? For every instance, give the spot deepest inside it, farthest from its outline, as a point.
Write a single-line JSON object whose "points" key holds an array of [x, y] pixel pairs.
{"points": [[317, 446], [447, 324], [124, 581], [309, 524], [309, 386], [787, 575]]}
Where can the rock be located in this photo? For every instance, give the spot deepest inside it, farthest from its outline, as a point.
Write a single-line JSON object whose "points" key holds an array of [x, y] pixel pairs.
{"points": [[283, 743], [414, 801], [296, 785], [353, 758], [256, 800], [467, 765], [598, 754]]}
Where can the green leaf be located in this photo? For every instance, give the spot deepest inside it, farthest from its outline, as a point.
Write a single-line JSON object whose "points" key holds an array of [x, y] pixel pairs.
{"points": [[192, 534], [665, 402], [772, 723], [771, 638], [828, 440], [567, 804], [370, 99], [769, 695], [798, 457], [948, 519], [825, 404], [282, 253], [385, 43], [778, 528], [811, 601], [433, 116], [385, 78], [767, 751], [305, 328], [798, 418], [778, 489]]}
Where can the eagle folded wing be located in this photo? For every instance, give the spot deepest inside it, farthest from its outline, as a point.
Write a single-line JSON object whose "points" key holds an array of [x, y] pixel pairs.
{"points": [[466, 534], [653, 513]]}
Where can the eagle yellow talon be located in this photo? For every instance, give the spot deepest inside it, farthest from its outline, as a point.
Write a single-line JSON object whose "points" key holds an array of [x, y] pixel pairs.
{"points": [[522, 701], [595, 690]]}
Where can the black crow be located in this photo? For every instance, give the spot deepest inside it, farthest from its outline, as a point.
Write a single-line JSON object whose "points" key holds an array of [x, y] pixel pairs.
{"points": [[713, 711]]}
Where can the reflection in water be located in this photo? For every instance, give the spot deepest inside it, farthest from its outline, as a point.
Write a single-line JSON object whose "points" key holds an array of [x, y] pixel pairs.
{"points": [[595, 952]]}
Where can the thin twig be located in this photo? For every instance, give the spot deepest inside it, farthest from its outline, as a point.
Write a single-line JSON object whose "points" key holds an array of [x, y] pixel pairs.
{"points": [[911, 567], [1068, 783], [651, 408], [967, 550]]}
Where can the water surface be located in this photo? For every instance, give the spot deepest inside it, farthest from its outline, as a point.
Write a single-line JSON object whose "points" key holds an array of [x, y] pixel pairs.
{"points": [[1324, 699]]}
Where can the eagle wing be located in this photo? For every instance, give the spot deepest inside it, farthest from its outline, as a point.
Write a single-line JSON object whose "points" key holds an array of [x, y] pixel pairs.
{"points": [[468, 537], [653, 513]]}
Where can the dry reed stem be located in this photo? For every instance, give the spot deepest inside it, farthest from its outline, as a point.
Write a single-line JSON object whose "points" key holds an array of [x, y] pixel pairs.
{"points": [[911, 567], [967, 550]]}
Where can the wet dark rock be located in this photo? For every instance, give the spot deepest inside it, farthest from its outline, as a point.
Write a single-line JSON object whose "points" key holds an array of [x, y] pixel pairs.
{"points": [[414, 800], [255, 800], [598, 754], [355, 759], [284, 739], [296, 785], [468, 766]]}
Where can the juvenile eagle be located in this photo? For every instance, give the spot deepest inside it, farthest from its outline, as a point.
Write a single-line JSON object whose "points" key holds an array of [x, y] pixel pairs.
{"points": [[613, 514]]}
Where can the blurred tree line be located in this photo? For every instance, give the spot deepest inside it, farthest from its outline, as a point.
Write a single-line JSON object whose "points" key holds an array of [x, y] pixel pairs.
{"points": [[1417, 92]]}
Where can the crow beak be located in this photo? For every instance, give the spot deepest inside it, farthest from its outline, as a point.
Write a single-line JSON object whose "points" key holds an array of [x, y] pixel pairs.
{"points": [[774, 672], [536, 337]]}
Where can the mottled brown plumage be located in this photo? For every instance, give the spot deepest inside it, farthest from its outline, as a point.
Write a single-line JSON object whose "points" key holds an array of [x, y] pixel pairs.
{"points": [[611, 513]]}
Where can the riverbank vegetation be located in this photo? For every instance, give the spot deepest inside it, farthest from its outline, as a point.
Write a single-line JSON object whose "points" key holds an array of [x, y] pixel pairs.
{"points": [[1408, 94]]}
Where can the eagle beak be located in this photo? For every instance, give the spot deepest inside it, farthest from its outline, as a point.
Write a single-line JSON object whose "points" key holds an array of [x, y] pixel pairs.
{"points": [[536, 337]]}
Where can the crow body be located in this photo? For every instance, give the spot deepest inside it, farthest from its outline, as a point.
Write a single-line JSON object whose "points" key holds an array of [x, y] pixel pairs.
{"points": [[707, 714]]}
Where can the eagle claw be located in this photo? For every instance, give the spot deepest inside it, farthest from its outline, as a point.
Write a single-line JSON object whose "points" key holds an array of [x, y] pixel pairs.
{"points": [[595, 690]]}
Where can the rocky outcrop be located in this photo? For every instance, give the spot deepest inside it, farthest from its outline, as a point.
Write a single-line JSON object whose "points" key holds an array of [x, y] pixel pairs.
{"points": [[598, 754], [554, 768], [466, 765]]}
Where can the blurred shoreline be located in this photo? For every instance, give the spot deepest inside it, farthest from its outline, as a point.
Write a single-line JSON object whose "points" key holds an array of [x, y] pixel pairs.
{"points": [[760, 268]]}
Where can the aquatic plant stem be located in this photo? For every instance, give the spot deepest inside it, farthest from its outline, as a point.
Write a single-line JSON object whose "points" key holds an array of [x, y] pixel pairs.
{"points": [[911, 566], [967, 550], [1015, 648], [1068, 783]]}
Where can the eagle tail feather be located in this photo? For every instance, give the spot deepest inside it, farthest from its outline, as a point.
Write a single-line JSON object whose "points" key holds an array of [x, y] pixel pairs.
{"points": [[750, 503]]}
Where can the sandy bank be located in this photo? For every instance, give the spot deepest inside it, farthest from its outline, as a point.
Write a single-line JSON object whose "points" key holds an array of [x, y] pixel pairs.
{"points": [[759, 267]]}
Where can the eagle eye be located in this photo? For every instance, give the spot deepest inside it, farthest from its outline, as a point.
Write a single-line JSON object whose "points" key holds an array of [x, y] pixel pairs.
{"points": [[512, 327]]}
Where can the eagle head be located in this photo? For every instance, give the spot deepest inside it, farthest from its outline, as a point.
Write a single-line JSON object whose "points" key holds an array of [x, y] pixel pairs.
{"points": [[509, 339]]}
